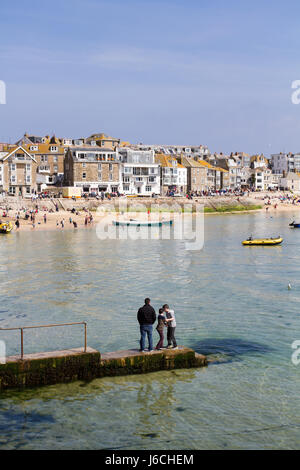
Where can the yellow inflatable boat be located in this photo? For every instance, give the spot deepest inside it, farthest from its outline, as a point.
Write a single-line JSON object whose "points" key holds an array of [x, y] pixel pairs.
{"points": [[6, 227], [263, 241]]}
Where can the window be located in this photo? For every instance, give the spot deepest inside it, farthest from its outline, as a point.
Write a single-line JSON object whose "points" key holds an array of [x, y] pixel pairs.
{"points": [[148, 188], [99, 166], [55, 159], [126, 179], [27, 189], [83, 176], [84, 165], [34, 148], [53, 148], [28, 167], [44, 158], [13, 179], [28, 179], [55, 169], [110, 167], [110, 177], [100, 176], [125, 187], [12, 190], [13, 167], [151, 179]]}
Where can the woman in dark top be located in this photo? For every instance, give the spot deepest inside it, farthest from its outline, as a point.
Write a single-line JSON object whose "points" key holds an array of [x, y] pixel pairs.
{"points": [[160, 328]]}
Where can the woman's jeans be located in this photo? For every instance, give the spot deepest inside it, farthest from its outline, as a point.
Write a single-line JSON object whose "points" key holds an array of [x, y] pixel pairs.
{"points": [[161, 339], [146, 330]]}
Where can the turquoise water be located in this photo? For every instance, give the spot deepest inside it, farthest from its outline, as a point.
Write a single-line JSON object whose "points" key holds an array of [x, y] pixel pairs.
{"points": [[231, 302]]}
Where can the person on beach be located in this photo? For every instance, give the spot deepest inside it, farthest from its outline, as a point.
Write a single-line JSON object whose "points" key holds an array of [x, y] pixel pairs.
{"points": [[171, 322], [45, 218], [161, 323], [146, 317], [17, 224]]}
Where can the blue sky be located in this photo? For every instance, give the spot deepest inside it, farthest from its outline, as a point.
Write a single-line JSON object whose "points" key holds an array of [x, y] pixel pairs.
{"points": [[172, 72]]}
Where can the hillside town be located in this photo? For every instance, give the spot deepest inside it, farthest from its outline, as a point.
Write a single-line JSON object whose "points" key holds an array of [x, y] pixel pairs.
{"points": [[101, 165]]}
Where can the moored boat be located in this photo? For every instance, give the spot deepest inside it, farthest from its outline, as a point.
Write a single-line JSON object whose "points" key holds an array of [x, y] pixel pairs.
{"points": [[6, 227], [263, 241], [142, 223], [294, 225]]}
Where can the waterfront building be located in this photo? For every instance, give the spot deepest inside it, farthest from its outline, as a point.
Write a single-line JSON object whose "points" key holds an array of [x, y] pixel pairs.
{"points": [[49, 153], [173, 175], [291, 181], [262, 178], [140, 173], [91, 168], [233, 166], [196, 174], [18, 172]]}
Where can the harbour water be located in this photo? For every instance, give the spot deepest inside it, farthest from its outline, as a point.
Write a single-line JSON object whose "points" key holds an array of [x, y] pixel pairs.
{"points": [[231, 302]]}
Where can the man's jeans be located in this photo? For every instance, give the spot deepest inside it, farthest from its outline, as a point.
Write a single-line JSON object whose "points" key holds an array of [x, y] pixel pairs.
{"points": [[146, 330]]}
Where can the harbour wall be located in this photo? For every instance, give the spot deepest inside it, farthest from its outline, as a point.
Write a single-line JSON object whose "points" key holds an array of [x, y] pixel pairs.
{"points": [[92, 204]]}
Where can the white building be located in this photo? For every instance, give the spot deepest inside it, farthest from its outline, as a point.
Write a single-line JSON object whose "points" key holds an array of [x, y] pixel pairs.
{"points": [[173, 174], [140, 174]]}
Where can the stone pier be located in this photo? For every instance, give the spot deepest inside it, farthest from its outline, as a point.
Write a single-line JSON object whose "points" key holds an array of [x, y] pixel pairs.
{"points": [[55, 367]]}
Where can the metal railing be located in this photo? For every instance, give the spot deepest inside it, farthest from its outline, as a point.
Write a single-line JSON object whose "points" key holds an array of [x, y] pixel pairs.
{"points": [[45, 326]]}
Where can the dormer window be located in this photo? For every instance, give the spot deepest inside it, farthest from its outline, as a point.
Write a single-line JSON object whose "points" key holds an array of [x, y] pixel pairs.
{"points": [[53, 148], [34, 148]]}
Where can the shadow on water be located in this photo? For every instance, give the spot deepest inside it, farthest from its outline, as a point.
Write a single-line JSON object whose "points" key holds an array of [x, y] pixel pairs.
{"points": [[220, 350]]}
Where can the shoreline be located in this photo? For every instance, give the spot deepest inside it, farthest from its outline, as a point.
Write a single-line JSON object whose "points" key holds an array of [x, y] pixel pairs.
{"points": [[54, 219]]}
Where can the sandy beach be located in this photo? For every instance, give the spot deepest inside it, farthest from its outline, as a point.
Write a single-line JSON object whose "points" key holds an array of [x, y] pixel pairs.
{"points": [[63, 219]]}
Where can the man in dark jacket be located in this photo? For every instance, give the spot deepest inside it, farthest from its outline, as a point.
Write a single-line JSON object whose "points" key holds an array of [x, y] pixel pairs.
{"points": [[146, 317]]}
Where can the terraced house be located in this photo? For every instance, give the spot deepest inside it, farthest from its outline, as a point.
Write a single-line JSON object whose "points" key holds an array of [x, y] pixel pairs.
{"points": [[49, 153], [139, 172], [18, 172], [196, 174], [92, 168], [173, 175]]}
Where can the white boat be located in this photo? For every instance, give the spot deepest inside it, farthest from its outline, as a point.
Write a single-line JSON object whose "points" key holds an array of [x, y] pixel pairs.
{"points": [[142, 223]]}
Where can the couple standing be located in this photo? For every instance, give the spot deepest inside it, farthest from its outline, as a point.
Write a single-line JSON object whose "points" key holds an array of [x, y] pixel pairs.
{"points": [[146, 317]]}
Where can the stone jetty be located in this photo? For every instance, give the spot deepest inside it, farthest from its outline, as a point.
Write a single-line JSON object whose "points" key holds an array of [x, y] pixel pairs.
{"points": [[48, 368]]}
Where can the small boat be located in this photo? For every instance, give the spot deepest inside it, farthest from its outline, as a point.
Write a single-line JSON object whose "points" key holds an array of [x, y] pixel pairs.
{"points": [[6, 227], [263, 241], [141, 223], [294, 225]]}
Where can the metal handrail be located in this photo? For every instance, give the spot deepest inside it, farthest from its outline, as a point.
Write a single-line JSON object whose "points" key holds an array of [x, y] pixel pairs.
{"points": [[46, 326]]}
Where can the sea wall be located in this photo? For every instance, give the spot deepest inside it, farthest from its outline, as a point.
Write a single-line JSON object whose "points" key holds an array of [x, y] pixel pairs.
{"points": [[66, 366], [136, 203]]}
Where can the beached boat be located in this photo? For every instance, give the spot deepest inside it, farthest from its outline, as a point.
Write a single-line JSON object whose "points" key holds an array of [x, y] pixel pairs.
{"points": [[6, 227], [294, 225], [263, 241], [142, 223]]}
